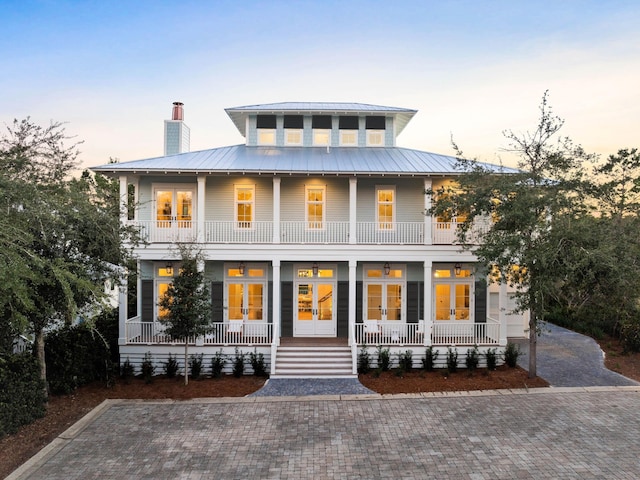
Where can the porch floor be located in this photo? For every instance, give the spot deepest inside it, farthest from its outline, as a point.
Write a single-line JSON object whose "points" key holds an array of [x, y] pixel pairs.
{"points": [[313, 342]]}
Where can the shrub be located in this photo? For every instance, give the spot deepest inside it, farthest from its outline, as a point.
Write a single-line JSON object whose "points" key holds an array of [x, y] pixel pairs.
{"points": [[452, 360], [195, 366], [364, 360], [22, 397], [76, 355], [472, 359], [630, 335], [405, 360], [257, 363], [429, 360], [217, 364], [127, 371], [147, 368], [511, 354], [384, 359], [491, 359], [238, 364], [171, 367]]}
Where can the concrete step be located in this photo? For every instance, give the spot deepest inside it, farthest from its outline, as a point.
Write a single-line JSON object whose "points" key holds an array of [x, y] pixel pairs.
{"points": [[313, 361]]}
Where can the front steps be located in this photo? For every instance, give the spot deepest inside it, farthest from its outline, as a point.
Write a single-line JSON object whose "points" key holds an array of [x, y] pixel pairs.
{"points": [[313, 361]]}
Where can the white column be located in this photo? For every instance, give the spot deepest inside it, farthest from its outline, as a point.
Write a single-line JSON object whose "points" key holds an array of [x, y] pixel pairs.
{"points": [[428, 303], [124, 200], [202, 183], [353, 193], [276, 209], [503, 305], [352, 312], [122, 310], [275, 306], [428, 219]]}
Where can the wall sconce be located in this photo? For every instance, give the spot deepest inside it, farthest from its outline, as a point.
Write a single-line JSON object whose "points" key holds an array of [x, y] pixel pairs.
{"points": [[315, 269], [458, 268], [169, 268], [387, 268], [241, 268]]}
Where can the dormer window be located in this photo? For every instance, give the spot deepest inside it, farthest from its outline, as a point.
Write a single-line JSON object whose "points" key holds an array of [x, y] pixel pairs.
{"points": [[293, 130], [348, 131], [375, 126], [266, 125], [321, 125]]}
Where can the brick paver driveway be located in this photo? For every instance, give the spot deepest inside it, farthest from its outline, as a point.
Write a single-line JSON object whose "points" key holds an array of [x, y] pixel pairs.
{"points": [[548, 433]]}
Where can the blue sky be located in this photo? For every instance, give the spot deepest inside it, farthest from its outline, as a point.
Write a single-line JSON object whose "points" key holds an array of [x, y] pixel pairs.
{"points": [[111, 69]]}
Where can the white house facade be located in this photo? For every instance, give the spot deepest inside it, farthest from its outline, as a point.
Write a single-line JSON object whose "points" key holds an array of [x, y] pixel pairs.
{"points": [[316, 241]]}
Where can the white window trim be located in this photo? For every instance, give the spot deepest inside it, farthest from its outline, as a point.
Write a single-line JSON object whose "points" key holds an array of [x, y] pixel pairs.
{"points": [[370, 133], [321, 131], [393, 211], [343, 143], [236, 202], [293, 130], [270, 131], [306, 206]]}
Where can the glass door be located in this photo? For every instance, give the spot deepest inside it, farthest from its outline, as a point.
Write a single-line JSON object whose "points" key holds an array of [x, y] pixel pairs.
{"points": [[245, 290], [314, 302], [174, 213], [384, 287]]}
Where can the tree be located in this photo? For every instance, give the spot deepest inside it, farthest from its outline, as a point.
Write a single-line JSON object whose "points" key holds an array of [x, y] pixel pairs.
{"points": [[522, 244], [186, 304], [57, 236]]}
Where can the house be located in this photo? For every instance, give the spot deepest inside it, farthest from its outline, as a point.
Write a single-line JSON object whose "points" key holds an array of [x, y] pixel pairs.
{"points": [[316, 240]]}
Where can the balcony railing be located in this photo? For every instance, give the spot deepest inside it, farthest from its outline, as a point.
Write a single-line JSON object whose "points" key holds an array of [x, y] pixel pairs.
{"points": [[295, 232]]}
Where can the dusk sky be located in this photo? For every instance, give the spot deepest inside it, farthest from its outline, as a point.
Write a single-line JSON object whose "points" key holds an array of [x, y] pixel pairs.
{"points": [[111, 69]]}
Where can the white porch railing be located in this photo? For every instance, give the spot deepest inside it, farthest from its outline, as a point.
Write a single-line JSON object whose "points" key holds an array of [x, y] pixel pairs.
{"points": [[238, 232], [165, 231], [153, 333], [314, 232], [446, 233], [449, 333], [390, 333], [397, 233]]}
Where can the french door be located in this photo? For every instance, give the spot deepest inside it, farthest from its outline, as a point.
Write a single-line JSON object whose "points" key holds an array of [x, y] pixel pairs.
{"points": [[453, 301], [314, 297], [174, 208], [384, 293], [246, 293]]}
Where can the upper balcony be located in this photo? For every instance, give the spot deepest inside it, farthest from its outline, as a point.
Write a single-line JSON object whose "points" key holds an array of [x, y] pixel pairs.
{"points": [[296, 232]]}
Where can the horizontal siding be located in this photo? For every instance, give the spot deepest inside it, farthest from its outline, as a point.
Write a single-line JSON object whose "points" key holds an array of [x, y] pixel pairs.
{"points": [[220, 201], [292, 198]]}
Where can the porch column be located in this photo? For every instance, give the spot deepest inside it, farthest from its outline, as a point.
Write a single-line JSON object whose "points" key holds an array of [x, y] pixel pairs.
{"points": [[428, 219], [428, 303], [276, 210], [124, 200], [353, 193], [352, 299], [202, 183], [275, 306], [122, 310], [503, 305]]}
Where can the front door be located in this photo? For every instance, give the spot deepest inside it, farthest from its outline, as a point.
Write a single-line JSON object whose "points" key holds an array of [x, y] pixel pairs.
{"points": [[384, 299], [314, 299], [453, 295], [245, 292], [174, 214]]}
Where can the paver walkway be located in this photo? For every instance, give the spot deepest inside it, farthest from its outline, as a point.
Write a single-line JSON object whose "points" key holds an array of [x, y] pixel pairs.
{"points": [[569, 359], [543, 434]]}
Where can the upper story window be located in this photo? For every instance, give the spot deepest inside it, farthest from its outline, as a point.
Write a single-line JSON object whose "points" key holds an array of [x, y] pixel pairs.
{"points": [[315, 198], [375, 126], [244, 205], [348, 131], [321, 125], [293, 125], [266, 125], [386, 206]]}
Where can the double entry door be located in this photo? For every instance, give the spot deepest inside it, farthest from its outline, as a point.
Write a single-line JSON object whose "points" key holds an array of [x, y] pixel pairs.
{"points": [[174, 213], [314, 301]]}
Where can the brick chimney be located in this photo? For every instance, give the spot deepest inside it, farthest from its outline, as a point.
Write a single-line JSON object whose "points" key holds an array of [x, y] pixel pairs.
{"points": [[176, 133]]}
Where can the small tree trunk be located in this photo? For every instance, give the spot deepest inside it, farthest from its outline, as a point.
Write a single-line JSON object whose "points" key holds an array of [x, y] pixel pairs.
{"points": [[533, 342], [186, 363], [41, 360]]}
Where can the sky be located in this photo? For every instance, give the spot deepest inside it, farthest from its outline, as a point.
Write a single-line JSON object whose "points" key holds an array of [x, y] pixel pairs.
{"points": [[110, 70]]}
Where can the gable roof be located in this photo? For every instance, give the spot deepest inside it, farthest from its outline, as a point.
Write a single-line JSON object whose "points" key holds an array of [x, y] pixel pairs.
{"points": [[239, 114], [240, 159]]}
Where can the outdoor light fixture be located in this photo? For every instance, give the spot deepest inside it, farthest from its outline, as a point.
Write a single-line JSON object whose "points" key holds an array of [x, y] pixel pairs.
{"points": [[169, 268], [315, 268], [458, 268], [387, 268], [241, 268]]}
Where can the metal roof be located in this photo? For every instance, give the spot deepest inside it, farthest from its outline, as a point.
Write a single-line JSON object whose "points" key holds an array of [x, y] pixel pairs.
{"points": [[240, 159], [239, 114]]}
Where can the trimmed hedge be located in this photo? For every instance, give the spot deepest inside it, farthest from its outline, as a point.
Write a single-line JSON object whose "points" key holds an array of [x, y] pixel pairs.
{"points": [[22, 398]]}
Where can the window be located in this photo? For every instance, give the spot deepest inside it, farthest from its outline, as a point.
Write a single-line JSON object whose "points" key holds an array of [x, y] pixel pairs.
{"points": [[375, 131], [245, 199], [321, 125], [293, 125], [385, 211], [266, 125], [315, 197], [348, 131]]}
